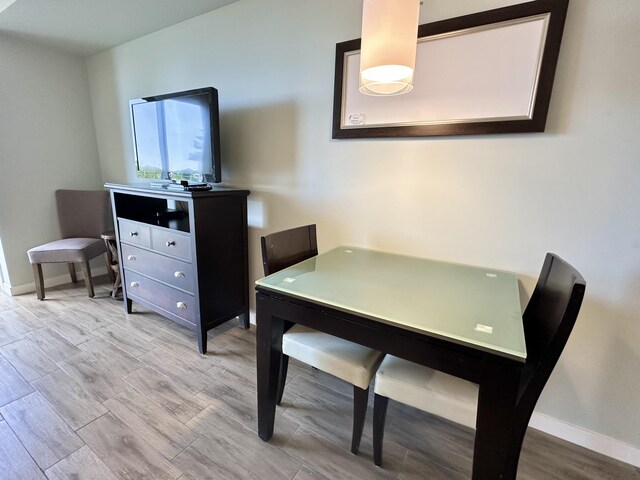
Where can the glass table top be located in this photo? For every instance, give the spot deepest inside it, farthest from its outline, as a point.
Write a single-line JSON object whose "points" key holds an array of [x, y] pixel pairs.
{"points": [[472, 306]]}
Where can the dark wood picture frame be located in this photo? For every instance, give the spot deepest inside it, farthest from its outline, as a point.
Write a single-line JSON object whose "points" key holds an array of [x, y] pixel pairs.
{"points": [[556, 10]]}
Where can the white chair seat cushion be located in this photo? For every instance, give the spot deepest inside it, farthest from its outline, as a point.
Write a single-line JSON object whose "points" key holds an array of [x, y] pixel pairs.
{"points": [[430, 390], [349, 361], [67, 250]]}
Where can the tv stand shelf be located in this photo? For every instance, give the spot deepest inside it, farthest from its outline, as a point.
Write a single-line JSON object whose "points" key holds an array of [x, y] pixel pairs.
{"points": [[184, 254]]}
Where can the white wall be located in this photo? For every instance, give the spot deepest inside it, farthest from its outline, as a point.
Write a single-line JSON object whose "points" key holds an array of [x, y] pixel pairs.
{"points": [[47, 141], [502, 200]]}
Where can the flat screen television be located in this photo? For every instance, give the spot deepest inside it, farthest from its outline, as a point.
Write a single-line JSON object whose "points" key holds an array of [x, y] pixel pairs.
{"points": [[176, 136]]}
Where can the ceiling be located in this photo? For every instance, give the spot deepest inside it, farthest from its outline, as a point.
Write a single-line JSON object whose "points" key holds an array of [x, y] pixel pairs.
{"points": [[85, 27]]}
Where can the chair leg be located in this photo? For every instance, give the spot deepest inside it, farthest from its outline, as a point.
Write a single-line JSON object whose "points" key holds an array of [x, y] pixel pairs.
{"points": [[72, 272], [116, 283], [360, 398], [282, 377], [380, 404], [107, 262], [37, 276], [86, 271]]}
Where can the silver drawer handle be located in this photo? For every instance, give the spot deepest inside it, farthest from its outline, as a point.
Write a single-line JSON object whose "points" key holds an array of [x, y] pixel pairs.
{"points": [[135, 284], [170, 244], [131, 257], [133, 234], [181, 305], [178, 274]]}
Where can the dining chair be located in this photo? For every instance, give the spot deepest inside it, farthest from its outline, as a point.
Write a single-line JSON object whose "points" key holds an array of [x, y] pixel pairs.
{"points": [[83, 215], [548, 320], [341, 358]]}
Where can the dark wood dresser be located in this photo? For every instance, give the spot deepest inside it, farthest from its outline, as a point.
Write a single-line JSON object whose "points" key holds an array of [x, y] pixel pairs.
{"points": [[184, 254]]}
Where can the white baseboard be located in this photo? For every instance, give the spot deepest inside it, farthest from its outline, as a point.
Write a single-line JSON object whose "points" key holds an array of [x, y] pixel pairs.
{"points": [[51, 282], [586, 438]]}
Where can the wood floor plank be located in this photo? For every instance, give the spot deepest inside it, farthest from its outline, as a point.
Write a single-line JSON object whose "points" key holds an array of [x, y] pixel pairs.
{"points": [[182, 350], [307, 473], [234, 356], [314, 450], [197, 466], [321, 409], [83, 464], [439, 441], [94, 377], [53, 344], [136, 322], [416, 467], [237, 450], [168, 394], [182, 371], [234, 394], [39, 308], [223, 328], [28, 359], [22, 320], [114, 358], [540, 449], [9, 333], [222, 340], [74, 332], [108, 306], [184, 333], [124, 451], [394, 455], [319, 379], [77, 406], [127, 339], [158, 427], [41, 430], [87, 315], [12, 385], [15, 461], [159, 321], [7, 302], [232, 336]]}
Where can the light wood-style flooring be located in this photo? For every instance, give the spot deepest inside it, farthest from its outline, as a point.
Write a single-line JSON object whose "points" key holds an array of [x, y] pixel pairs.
{"points": [[88, 392]]}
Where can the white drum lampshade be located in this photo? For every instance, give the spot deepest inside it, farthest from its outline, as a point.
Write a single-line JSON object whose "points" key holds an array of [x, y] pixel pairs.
{"points": [[388, 50]]}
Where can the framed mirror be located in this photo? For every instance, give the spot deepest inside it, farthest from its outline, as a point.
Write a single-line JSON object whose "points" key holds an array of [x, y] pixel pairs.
{"points": [[488, 72]]}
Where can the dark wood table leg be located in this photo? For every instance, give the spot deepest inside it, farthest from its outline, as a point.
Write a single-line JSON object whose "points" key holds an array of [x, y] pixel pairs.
{"points": [[268, 355], [493, 449]]}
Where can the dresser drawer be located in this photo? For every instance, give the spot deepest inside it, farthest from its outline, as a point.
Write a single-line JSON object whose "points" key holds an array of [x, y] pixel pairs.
{"points": [[171, 242], [168, 270], [134, 233], [169, 299]]}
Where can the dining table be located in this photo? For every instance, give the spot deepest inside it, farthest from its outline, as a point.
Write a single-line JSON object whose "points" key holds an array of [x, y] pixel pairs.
{"points": [[462, 320]]}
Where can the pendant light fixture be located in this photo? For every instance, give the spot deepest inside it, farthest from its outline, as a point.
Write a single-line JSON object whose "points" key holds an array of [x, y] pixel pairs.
{"points": [[388, 50]]}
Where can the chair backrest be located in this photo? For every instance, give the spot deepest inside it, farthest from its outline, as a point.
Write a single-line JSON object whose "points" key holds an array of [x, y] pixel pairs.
{"points": [[83, 213], [548, 321], [288, 247]]}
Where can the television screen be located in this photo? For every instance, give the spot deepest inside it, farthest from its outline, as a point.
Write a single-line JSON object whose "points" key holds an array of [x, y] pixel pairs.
{"points": [[176, 136]]}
